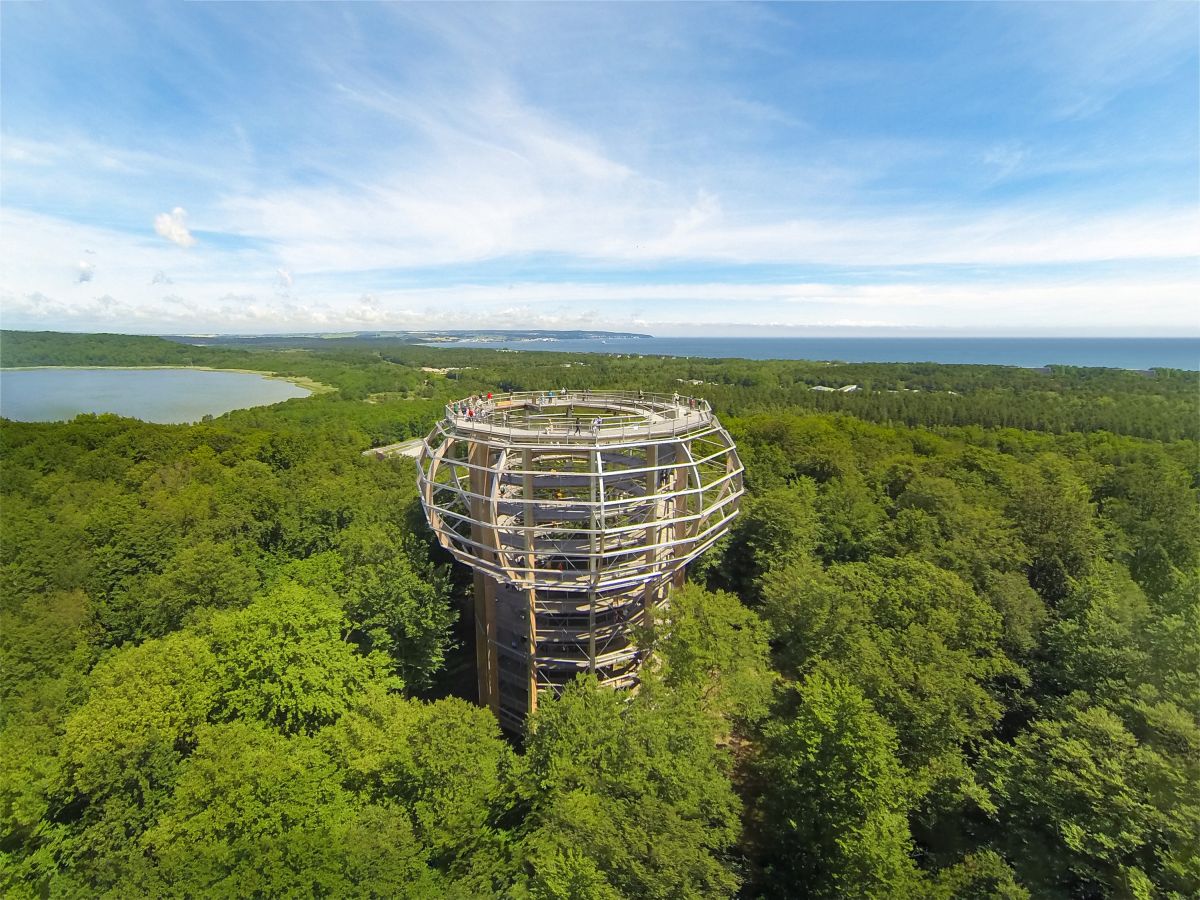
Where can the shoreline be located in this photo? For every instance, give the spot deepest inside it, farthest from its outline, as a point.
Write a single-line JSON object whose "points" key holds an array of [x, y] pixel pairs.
{"points": [[301, 381]]}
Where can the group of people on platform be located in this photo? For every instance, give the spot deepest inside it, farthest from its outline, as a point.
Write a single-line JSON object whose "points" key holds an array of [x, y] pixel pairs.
{"points": [[481, 406], [474, 407]]}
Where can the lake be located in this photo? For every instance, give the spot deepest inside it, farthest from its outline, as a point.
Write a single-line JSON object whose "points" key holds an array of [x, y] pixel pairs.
{"points": [[153, 395], [1115, 353]]}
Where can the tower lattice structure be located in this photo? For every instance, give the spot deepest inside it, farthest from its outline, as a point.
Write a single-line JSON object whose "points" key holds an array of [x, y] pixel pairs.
{"points": [[577, 511]]}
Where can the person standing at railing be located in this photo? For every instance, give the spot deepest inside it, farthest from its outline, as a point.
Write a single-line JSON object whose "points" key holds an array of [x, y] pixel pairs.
{"points": [[596, 427]]}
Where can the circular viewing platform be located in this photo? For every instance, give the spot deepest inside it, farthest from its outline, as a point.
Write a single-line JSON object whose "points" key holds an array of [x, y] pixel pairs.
{"points": [[577, 510], [555, 418], [578, 490]]}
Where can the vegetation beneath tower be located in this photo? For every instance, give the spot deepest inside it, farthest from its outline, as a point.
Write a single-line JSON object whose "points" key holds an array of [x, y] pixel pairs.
{"points": [[949, 649]]}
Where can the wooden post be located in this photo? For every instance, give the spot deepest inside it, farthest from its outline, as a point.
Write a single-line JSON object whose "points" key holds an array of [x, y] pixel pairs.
{"points": [[485, 588], [593, 555], [528, 494], [653, 530]]}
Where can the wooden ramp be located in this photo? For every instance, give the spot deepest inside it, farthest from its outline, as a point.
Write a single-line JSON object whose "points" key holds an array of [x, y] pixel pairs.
{"points": [[404, 448]]}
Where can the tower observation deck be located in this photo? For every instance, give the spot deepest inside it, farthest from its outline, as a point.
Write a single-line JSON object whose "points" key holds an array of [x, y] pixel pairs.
{"points": [[577, 510]]}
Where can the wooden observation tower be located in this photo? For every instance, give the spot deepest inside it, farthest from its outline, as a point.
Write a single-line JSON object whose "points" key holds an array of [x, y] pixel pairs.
{"points": [[577, 510]]}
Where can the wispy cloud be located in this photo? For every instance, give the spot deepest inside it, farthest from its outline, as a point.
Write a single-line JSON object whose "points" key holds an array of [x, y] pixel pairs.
{"points": [[929, 307], [173, 227], [1004, 159], [1095, 53]]}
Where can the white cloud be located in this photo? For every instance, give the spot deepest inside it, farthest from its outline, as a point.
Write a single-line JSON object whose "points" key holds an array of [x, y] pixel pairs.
{"points": [[284, 278], [86, 271], [1047, 307], [172, 226], [222, 290], [523, 208], [495, 178], [19, 152]]}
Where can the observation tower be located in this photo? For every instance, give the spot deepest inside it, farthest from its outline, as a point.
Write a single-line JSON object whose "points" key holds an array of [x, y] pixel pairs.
{"points": [[577, 510]]}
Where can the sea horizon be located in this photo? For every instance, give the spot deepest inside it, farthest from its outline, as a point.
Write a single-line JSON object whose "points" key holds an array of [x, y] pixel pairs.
{"points": [[1137, 354]]}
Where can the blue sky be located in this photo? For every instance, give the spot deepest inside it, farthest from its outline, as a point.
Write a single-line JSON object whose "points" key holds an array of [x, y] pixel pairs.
{"points": [[827, 168]]}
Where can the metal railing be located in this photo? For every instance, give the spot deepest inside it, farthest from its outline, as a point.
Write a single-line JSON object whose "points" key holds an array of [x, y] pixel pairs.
{"points": [[623, 415]]}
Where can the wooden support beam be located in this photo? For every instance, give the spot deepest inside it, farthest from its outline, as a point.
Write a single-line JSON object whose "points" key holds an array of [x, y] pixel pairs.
{"points": [[485, 589]]}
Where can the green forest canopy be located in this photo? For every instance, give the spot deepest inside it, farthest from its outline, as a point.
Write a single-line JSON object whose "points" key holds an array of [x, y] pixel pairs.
{"points": [[950, 649]]}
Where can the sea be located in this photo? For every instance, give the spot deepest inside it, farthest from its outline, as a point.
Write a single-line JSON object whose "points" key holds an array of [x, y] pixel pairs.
{"points": [[1112, 353]]}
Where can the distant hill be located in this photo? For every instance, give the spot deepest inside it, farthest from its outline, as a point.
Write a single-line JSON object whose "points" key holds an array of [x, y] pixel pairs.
{"points": [[367, 338], [56, 348]]}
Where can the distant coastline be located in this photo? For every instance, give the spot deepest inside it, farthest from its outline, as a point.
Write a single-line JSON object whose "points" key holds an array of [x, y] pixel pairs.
{"points": [[186, 351], [481, 336], [1137, 354]]}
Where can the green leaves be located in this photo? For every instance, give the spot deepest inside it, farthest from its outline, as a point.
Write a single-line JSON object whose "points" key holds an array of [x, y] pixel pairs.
{"points": [[835, 797], [711, 646], [255, 592], [638, 787], [282, 661], [258, 814], [1053, 510], [445, 763], [915, 639], [1076, 792], [1152, 501], [203, 576], [145, 705], [776, 528], [396, 601]]}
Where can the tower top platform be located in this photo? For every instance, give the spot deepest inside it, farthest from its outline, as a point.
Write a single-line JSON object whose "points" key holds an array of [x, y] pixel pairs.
{"points": [[580, 418]]}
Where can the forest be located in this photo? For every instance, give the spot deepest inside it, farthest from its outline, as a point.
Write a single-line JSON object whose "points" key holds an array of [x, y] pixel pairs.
{"points": [[951, 647]]}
